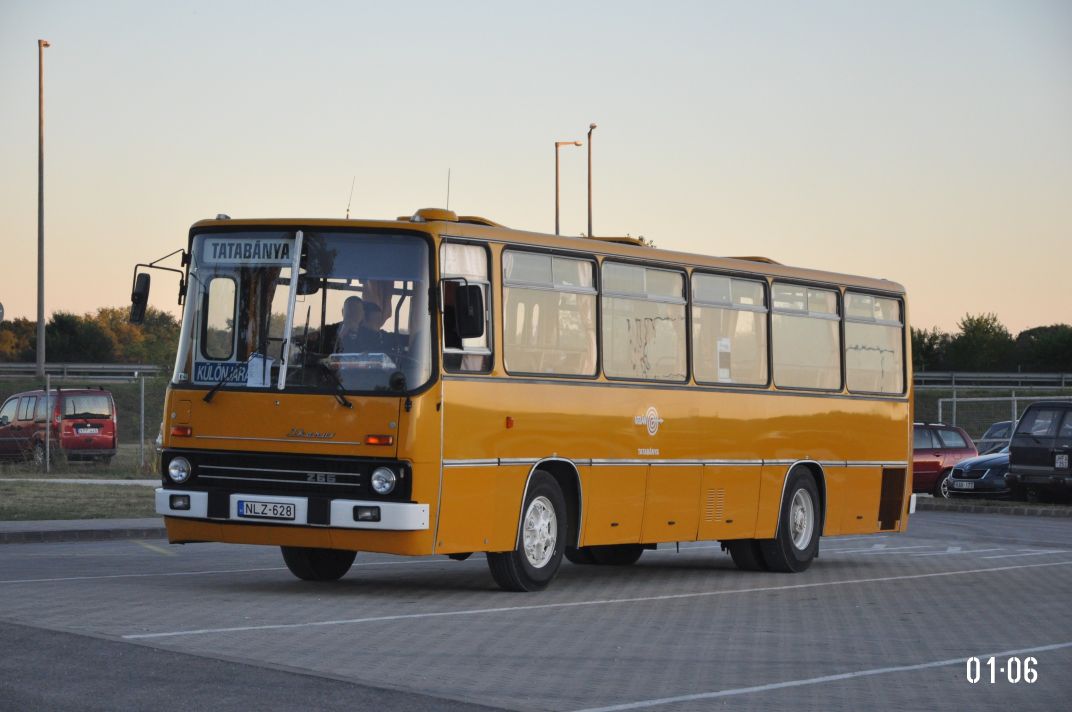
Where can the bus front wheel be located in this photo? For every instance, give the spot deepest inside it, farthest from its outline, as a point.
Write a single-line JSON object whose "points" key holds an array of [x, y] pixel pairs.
{"points": [[746, 555], [797, 540], [541, 541], [310, 564]]}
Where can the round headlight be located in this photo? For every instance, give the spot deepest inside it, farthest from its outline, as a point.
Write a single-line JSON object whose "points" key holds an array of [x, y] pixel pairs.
{"points": [[178, 470], [383, 480]]}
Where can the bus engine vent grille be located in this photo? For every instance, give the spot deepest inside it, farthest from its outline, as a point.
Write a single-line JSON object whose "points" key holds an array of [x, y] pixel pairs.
{"points": [[715, 505]]}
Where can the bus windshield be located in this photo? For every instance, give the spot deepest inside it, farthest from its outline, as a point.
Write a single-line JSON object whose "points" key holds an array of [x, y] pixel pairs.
{"points": [[356, 319]]}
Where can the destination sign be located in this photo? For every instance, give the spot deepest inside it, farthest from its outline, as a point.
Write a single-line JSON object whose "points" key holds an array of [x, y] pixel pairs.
{"points": [[247, 251], [207, 372]]}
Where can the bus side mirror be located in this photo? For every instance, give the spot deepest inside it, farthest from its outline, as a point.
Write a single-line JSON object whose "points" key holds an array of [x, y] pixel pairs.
{"points": [[139, 298], [469, 311]]}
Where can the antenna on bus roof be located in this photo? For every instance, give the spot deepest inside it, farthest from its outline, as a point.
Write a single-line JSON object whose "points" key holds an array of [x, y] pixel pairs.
{"points": [[448, 188], [351, 199]]}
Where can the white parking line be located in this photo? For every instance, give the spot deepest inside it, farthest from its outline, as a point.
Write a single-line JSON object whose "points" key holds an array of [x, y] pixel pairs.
{"points": [[956, 550], [578, 604], [227, 571], [819, 680], [1029, 552], [881, 549]]}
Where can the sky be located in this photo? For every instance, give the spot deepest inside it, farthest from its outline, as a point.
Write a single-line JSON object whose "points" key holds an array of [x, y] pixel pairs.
{"points": [[926, 142]]}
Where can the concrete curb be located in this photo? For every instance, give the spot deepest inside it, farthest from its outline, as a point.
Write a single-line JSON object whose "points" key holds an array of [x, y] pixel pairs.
{"points": [[1023, 510], [52, 536]]}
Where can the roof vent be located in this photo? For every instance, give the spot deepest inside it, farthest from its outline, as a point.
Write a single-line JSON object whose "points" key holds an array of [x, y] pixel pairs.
{"points": [[430, 214], [222, 216]]}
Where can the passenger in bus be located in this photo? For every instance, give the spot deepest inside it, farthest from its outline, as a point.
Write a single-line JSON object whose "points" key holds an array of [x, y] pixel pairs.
{"points": [[370, 337]]}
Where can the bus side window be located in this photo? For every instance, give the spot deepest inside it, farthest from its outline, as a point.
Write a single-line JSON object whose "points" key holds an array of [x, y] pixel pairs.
{"points": [[461, 266]]}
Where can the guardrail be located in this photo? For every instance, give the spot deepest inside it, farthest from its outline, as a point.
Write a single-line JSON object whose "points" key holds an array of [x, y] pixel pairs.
{"points": [[957, 380], [95, 371]]}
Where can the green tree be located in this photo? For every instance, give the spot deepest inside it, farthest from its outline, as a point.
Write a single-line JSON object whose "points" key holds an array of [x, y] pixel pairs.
{"points": [[77, 339], [930, 349], [1045, 349], [983, 344]]}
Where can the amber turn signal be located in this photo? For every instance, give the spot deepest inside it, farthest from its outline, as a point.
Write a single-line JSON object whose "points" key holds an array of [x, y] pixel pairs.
{"points": [[379, 439]]}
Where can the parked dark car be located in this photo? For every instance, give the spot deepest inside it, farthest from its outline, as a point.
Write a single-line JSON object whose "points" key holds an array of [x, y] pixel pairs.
{"points": [[979, 476], [936, 449], [1040, 450], [82, 427], [996, 437]]}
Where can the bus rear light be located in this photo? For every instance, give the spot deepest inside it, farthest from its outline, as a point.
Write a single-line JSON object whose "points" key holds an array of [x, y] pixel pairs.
{"points": [[379, 439], [366, 514], [181, 431]]}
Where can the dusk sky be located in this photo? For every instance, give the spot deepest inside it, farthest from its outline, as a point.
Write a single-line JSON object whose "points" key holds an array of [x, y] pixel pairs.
{"points": [[925, 142]]}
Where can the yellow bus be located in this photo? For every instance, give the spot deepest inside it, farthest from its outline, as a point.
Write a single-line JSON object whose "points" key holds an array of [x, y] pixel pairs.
{"points": [[442, 385]]}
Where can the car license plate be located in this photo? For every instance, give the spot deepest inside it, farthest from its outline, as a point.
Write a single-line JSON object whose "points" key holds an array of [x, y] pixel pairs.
{"points": [[1061, 462], [964, 485], [88, 431], [265, 510]]}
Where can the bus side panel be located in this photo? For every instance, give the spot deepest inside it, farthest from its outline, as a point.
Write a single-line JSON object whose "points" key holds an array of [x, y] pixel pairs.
{"points": [[480, 508], [614, 500], [837, 500], [863, 486], [729, 495], [770, 500], [672, 503]]}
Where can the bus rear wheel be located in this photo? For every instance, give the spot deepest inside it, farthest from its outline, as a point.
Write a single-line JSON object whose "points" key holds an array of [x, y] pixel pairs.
{"points": [[797, 540], [616, 554], [746, 555], [541, 543], [310, 564]]}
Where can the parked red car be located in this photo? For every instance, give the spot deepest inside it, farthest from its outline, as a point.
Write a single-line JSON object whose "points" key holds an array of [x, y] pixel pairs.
{"points": [[83, 425], [937, 448]]}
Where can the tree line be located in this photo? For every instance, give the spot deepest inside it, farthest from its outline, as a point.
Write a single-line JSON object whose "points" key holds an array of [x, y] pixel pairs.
{"points": [[101, 337], [982, 343]]}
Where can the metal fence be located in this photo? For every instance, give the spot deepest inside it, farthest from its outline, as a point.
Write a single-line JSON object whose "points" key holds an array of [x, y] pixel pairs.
{"points": [[93, 371], [976, 414]]}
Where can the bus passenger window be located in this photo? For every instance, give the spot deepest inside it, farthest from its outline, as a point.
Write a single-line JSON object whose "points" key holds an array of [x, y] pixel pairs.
{"points": [[729, 330], [461, 265], [219, 319], [805, 326], [643, 323], [874, 338], [550, 314]]}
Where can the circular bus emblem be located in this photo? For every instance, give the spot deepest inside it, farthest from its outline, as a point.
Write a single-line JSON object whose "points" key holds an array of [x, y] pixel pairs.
{"points": [[649, 420]]}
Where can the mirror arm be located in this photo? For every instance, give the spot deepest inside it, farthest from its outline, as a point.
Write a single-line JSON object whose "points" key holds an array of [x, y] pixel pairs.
{"points": [[184, 260]]}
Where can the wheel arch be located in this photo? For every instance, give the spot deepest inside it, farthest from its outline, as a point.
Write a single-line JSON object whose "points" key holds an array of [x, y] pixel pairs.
{"points": [[568, 478], [819, 474]]}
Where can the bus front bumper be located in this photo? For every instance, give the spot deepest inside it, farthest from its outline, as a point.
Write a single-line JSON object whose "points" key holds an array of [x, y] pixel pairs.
{"points": [[342, 513]]}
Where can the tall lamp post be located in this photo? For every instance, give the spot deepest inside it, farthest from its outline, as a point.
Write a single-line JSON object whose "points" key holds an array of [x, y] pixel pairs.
{"points": [[591, 128], [41, 44], [559, 144]]}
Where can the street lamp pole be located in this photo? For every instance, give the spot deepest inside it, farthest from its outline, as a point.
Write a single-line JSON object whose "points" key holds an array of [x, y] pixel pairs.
{"points": [[559, 144], [591, 128], [41, 44]]}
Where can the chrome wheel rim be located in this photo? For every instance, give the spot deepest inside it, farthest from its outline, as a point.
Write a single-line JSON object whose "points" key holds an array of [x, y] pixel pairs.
{"points": [[943, 488], [801, 519], [540, 532]]}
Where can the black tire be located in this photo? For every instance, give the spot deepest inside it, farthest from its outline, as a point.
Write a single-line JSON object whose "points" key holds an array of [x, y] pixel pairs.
{"points": [[513, 570], [782, 553], [582, 556], [317, 564], [617, 554], [941, 487], [746, 555]]}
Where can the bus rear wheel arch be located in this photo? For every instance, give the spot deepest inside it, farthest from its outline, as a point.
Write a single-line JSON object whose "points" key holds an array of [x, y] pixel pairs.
{"points": [[541, 541]]}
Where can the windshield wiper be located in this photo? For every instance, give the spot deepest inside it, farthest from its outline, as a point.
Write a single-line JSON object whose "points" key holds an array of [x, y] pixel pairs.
{"points": [[212, 391], [340, 390]]}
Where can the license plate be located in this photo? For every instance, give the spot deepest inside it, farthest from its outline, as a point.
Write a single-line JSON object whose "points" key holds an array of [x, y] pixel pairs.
{"points": [[265, 510], [1061, 462], [964, 485], [88, 431]]}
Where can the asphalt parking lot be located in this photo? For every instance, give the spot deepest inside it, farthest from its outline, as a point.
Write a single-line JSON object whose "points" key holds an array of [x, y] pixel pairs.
{"points": [[882, 622]]}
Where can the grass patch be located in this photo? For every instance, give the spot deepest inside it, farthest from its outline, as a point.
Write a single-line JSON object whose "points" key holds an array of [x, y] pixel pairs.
{"points": [[23, 501], [124, 466]]}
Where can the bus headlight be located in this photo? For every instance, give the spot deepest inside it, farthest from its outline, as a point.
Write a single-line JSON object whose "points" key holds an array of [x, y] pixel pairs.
{"points": [[178, 470], [383, 480]]}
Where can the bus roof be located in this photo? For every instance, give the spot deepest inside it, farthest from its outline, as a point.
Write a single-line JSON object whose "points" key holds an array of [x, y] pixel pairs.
{"points": [[445, 222]]}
